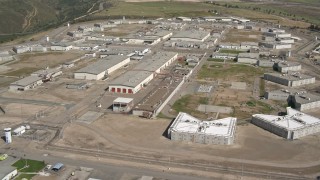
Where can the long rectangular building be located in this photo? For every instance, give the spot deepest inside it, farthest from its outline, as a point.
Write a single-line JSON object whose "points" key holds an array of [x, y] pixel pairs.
{"points": [[292, 126], [132, 81], [26, 83], [101, 68], [291, 79], [190, 129]]}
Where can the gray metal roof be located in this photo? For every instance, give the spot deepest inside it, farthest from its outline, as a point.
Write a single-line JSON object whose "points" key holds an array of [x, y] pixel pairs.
{"points": [[58, 166], [291, 76], [27, 81], [287, 64], [143, 70], [191, 34], [6, 166], [102, 65]]}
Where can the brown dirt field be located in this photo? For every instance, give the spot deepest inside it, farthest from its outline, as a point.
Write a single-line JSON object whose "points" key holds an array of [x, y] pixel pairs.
{"points": [[8, 121], [126, 29], [17, 109], [35, 61], [239, 35], [146, 135]]}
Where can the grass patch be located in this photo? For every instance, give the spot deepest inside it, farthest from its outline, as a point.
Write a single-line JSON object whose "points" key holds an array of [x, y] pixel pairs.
{"points": [[157, 9], [216, 59], [262, 87], [33, 166], [203, 100], [230, 51], [181, 104], [161, 115], [22, 72], [240, 72], [251, 103]]}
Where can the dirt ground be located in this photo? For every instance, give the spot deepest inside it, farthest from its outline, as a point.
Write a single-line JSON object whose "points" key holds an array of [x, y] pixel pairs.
{"points": [[31, 62], [18, 109], [240, 35], [252, 143], [126, 29]]}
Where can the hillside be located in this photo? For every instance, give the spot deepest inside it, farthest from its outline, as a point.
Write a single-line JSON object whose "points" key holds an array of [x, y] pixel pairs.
{"points": [[18, 16]]}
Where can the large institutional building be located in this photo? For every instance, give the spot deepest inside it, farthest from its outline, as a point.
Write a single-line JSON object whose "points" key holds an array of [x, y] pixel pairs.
{"points": [[292, 79], [190, 129], [133, 80], [292, 126]]}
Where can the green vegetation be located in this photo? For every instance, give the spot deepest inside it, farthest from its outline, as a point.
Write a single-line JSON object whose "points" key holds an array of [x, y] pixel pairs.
{"points": [[20, 18], [203, 100], [263, 108], [236, 71], [262, 87], [216, 59], [230, 51], [161, 115], [33, 166], [157, 9], [181, 104]]}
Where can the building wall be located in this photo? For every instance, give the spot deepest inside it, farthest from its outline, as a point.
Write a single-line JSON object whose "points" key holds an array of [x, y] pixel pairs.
{"points": [[277, 96], [289, 68], [306, 106], [282, 46], [270, 127], [88, 76], [303, 82], [10, 175], [276, 79], [265, 63]]}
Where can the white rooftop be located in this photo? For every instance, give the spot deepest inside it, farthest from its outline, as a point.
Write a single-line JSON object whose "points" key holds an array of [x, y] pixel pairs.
{"points": [[123, 100], [187, 123], [293, 120]]}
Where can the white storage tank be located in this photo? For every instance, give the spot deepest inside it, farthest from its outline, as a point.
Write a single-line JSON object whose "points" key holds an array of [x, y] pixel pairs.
{"points": [[7, 132]]}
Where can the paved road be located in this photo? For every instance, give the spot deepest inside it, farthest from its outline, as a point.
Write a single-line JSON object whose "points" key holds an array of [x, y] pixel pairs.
{"points": [[105, 170]]}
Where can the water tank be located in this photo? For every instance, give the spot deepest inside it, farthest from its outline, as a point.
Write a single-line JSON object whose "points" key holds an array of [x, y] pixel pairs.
{"points": [[7, 132]]}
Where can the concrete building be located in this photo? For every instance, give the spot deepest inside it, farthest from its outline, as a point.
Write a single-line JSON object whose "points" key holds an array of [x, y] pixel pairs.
{"points": [[265, 63], [188, 19], [26, 83], [190, 129], [304, 101], [217, 19], [224, 56], [285, 66], [294, 125], [249, 45], [229, 46], [122, 104], [290, 79], [191, 36], [75, 34], [6, 57], [281, 94], [47, 74], [275, 45], [61, 46], [101, 68], [19, 130], [7, 171], [38, 48], [251, 58], [21, 49], [132, 81]]}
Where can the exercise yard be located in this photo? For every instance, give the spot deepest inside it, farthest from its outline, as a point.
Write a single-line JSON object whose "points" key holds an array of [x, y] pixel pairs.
{"points": [[28, 166]]}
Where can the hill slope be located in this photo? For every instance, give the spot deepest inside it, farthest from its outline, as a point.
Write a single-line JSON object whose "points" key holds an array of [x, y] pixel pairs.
{"points": [[18, 16]]}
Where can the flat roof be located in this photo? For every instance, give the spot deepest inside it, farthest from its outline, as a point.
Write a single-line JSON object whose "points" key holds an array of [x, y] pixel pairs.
{"points": [[248, 55], [123, 100], [287, 64], [187, 123], [292, 121], [102, 65], [144, 69], [46, 71], [27, 81], [191, 34], [305, 98], [291, 76], [6, 166]]}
